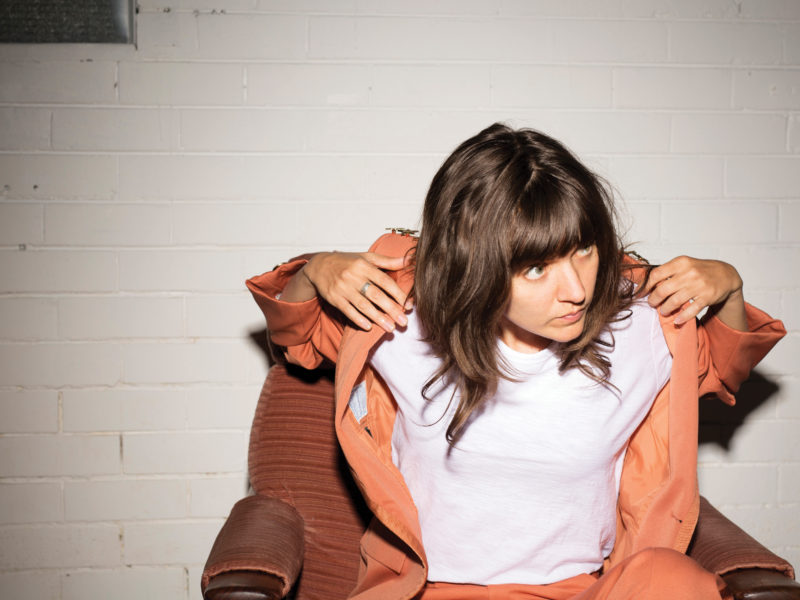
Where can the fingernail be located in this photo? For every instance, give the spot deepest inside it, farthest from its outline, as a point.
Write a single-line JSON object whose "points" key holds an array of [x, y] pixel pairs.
{"points": [[401, 320]]}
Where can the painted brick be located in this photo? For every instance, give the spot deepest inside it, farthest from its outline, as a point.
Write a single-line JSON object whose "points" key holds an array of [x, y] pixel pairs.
{"points": [[766, 267], [393, 131], [107, 224], [169, 543], [608, 41], [744, 223], [27, 318], [384, 183], [44, 455], [726, 43], [667, 177], [60, 81], [729, 134], [180, 83], [245, 130], [56, 365], [123, 410], [234, 224], [612, 132], [308, 84], [42, 585], [197, 270], [245, 177], [125, 584], [794, 134], [726, 482], [467, 86], [770, 9], [184, 452], [640, 221], [670, 87], [223, 408], [200, 362], [164, 34], [251, 36], [773, 526], [790, 309], [415, 7], [335, 219], [30, 502], [195, 573], [24, 128], [791, 45], [551, 86], [230, 5], [222, 316], [57, 271], [29, 411], [656, 9], [782, 360], [115, 129], [214, 497], [789, 483], [428, 38], [118, 500], [21, 223], [766, 89], [775, 441], [58, 546], [86, 318], [767, 300], [758, 177], [789, 223], [46, 176]]}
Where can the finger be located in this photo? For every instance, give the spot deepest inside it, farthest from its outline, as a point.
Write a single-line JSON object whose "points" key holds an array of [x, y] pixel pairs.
{"points": [[389, 263], [687, 314], [365, 306], [390, 287], [384, 303], [657, 276]]}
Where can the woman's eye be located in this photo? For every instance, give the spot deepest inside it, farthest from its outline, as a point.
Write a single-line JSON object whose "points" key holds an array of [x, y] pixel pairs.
{"points": [[586, 250], [535, 272]]}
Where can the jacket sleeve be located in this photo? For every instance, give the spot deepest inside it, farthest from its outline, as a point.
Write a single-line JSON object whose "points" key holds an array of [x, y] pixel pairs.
{"points": [[727, 355], [307, 331]]}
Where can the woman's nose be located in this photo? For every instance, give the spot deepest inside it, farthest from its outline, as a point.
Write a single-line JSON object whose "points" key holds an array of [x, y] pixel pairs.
{"points": [[571, 287]]}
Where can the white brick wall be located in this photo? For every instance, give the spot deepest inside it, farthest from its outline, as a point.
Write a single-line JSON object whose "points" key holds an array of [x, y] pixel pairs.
{"points": [[140, 186]]}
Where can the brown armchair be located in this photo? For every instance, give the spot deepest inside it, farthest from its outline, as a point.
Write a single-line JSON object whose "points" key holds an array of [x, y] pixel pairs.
{"points": [[306, 514]]}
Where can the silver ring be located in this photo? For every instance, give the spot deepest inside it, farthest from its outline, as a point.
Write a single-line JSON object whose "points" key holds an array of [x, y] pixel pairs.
{"points": [[364, 288], [691, 300]]}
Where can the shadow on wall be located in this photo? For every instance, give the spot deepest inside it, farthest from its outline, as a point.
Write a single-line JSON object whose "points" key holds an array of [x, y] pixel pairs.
{"points": [[719, 422]]}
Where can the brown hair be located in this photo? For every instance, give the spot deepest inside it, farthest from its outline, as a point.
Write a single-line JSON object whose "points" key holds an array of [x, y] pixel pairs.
{"points": [[503, 201]]}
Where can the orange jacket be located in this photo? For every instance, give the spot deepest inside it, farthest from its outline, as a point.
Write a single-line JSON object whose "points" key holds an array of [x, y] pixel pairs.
{"points": [[658, 500]]}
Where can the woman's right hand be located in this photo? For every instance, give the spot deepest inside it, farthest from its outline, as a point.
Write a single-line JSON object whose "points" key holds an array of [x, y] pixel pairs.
{"points": [[354, 283]]}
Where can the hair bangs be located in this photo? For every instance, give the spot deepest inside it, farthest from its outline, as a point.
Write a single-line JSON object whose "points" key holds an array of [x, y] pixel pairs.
{"points": [[552, 220]]}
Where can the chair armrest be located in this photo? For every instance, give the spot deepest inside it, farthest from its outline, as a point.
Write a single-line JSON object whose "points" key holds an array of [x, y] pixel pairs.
{"points": [[761, 584], [262, 536], [720, 546], [244, 585]]}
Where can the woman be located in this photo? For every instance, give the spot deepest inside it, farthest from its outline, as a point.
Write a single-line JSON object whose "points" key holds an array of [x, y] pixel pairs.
{"points": [[522, 423]]}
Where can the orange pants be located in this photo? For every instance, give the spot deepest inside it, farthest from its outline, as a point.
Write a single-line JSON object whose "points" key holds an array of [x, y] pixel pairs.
{"points": [[652, 574]]}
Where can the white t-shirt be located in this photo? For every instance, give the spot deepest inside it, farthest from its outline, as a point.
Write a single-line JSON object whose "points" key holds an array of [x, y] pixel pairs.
{"points": [[528, 493]]}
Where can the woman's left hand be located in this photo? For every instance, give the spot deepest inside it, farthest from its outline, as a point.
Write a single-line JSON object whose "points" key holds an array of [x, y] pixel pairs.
{"points": [[684, 286]]}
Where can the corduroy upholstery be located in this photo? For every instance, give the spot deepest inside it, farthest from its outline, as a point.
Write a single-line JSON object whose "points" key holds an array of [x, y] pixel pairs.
{"points": [[303, 490]]}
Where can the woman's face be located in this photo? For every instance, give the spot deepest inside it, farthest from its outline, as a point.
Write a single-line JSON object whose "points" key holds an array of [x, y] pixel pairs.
{"points": [[548, 302]]}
